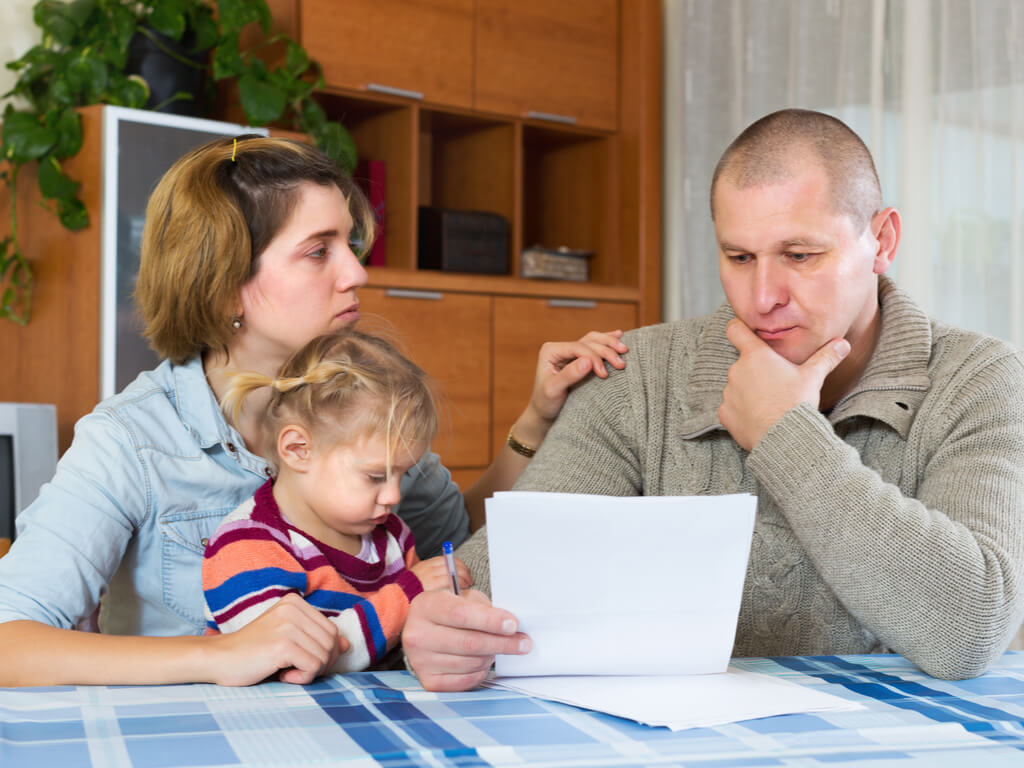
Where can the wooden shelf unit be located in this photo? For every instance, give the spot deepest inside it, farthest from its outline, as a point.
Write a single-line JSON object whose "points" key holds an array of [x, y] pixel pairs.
{"points": [[593, 185]]}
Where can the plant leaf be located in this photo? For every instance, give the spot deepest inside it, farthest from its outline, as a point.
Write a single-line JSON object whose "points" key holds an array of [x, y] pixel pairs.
{"points": [[123, 22], [168, 18], [56, 20], [53, 182], [297, 60], [69, 134], [335, 140], [312, 116], [72, 213], [235, 14], [131, 91], [24, 138], [261, 100], [87, 76], [60, 92], [79, 10], [227, 60], [205, 29]]}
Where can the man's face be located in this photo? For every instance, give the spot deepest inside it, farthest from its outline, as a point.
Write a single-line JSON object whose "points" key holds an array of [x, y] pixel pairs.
{"points": [[795, 271]]}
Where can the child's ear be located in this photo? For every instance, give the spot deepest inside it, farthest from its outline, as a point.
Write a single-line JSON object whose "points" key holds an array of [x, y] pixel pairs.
{"points": [[294, 447]]}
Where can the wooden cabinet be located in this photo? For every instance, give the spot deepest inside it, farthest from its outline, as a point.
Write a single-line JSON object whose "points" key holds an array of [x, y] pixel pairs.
{"points": [[521, 326], [421, 47], [449, 336], [594, 185], [533, 59], [555, 60], [481, 351]]}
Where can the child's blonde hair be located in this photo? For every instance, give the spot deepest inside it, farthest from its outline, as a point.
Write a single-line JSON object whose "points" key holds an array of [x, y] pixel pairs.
{"points": [[342, 386]]}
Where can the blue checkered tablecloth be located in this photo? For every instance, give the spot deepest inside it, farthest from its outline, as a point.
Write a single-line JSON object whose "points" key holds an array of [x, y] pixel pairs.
{"points": [[387, 719]]}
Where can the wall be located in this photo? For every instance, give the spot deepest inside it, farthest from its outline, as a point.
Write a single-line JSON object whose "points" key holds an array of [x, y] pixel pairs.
{"points": [[17, 34]]}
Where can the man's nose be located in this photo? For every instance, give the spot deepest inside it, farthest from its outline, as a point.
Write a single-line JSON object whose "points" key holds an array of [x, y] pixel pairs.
{"points": [[770, 287]]}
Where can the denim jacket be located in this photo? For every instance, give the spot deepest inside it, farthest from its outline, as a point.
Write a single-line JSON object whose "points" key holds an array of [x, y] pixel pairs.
{"points": [[149, 476]]}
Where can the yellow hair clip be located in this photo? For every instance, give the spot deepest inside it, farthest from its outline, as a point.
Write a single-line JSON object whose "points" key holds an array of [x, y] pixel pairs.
{"points": [[234, 148]]}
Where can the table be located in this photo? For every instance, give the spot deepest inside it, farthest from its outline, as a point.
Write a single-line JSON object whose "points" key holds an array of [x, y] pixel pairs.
{"points": [[387, 719]]}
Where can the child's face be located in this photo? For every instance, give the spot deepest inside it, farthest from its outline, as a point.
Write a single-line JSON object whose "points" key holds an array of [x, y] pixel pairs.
{"points": [[349, 488]]}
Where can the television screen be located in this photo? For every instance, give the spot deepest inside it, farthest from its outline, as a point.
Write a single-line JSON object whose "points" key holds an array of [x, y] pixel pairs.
{"points": [[6, 487], [28, 457], [139, 147]]}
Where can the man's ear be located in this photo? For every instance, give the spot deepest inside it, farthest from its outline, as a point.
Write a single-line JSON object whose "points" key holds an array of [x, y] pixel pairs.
{"points": [[886, 228], [295, 447]]}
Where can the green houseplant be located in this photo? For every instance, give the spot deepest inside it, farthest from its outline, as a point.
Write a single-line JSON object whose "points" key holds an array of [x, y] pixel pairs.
{"points": [[84, 58]]}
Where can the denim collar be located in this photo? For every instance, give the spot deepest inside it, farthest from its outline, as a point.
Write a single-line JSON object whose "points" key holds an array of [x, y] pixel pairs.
{"points": [[197, 407]]}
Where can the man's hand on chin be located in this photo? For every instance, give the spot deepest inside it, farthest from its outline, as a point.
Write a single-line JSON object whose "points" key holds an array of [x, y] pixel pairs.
{"points": [[763, 385]]}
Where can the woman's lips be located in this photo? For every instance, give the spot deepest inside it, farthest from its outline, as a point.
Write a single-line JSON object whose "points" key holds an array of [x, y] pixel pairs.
{"points": [[349, 315]]}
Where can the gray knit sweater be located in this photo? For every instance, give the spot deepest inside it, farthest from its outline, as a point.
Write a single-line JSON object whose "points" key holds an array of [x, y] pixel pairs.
{"points": [[896, 522]]}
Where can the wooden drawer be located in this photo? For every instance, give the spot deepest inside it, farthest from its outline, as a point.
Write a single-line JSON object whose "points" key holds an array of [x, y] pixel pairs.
{"points": [[449, 336], [521, 326]]}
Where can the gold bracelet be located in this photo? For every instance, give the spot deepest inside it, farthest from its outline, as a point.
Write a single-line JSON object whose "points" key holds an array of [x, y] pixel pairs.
{"points": [[520, 448]]}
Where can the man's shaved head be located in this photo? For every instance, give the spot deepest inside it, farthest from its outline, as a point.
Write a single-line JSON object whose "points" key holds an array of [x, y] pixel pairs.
{"points": [[772, 150]]}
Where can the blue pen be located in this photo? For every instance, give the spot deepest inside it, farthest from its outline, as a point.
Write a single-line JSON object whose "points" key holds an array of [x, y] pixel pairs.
{"points": [[449, 560]]}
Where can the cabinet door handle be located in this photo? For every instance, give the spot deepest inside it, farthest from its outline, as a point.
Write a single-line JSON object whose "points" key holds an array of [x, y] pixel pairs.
{"points": [[401, 293], [392, 91], [572, 303], [551, 117]]}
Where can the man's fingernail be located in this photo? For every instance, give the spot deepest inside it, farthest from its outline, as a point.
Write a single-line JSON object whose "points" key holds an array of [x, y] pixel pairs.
{"points": [[842, 348], [508, 626], [524, 645]]}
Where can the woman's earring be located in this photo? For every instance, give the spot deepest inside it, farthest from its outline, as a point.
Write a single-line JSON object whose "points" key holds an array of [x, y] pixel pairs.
{"points": [[236, 322]]}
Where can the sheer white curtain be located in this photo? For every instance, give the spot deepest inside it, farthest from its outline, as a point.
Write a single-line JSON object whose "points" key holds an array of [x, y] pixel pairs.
{"points": [[934, 87]]}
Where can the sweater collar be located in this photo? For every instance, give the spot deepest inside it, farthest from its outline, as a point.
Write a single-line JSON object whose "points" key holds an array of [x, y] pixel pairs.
{"points": [[890, 390]]}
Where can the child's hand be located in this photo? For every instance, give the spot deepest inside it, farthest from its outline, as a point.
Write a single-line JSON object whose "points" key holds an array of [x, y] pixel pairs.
{"points": [[433, 574]]}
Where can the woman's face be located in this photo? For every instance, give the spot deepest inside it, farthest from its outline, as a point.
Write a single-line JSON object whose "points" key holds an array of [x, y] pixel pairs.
{"points": [[306, 281]]}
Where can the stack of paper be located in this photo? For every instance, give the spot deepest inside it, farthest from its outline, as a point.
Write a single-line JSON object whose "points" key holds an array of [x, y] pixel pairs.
{"points": [[681, 701], [631, 605]]}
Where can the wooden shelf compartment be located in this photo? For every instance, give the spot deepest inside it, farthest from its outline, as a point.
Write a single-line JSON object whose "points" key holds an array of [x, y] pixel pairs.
{"points": [[569, 199], [470, 163], [383, 129]]}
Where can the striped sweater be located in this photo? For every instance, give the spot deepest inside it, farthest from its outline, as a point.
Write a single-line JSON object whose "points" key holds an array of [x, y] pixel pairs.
{"points": [[256, 557]]}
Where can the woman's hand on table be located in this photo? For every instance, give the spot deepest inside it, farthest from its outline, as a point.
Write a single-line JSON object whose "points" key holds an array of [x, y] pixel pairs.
{"points": [[292, 638], [450, 641]]}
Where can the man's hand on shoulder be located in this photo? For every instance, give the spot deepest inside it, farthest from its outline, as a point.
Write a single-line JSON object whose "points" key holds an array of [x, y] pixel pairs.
{"points": [[763, 386]]}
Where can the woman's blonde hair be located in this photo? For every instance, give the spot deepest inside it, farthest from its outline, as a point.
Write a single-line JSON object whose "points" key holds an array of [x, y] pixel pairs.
{"points": [[207, 222], [342, 386]]}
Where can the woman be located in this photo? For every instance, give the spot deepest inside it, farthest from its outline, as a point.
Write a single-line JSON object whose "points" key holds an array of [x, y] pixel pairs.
{"points": [[246, 256]]}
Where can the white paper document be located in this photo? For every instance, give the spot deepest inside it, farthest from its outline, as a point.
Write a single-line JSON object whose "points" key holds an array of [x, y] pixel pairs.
{"points": [[631, 604], [604, 585], [686, 701]]}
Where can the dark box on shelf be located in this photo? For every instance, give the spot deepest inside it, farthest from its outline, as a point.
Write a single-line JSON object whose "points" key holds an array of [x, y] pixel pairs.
{"points": [[462, 241]]}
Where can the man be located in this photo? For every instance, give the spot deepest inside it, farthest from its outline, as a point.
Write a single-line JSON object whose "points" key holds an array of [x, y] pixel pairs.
{"points": [[885, 448]]}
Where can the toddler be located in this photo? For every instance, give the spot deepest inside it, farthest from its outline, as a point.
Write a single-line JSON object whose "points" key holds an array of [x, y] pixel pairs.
{"points": [[347, 416]]}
